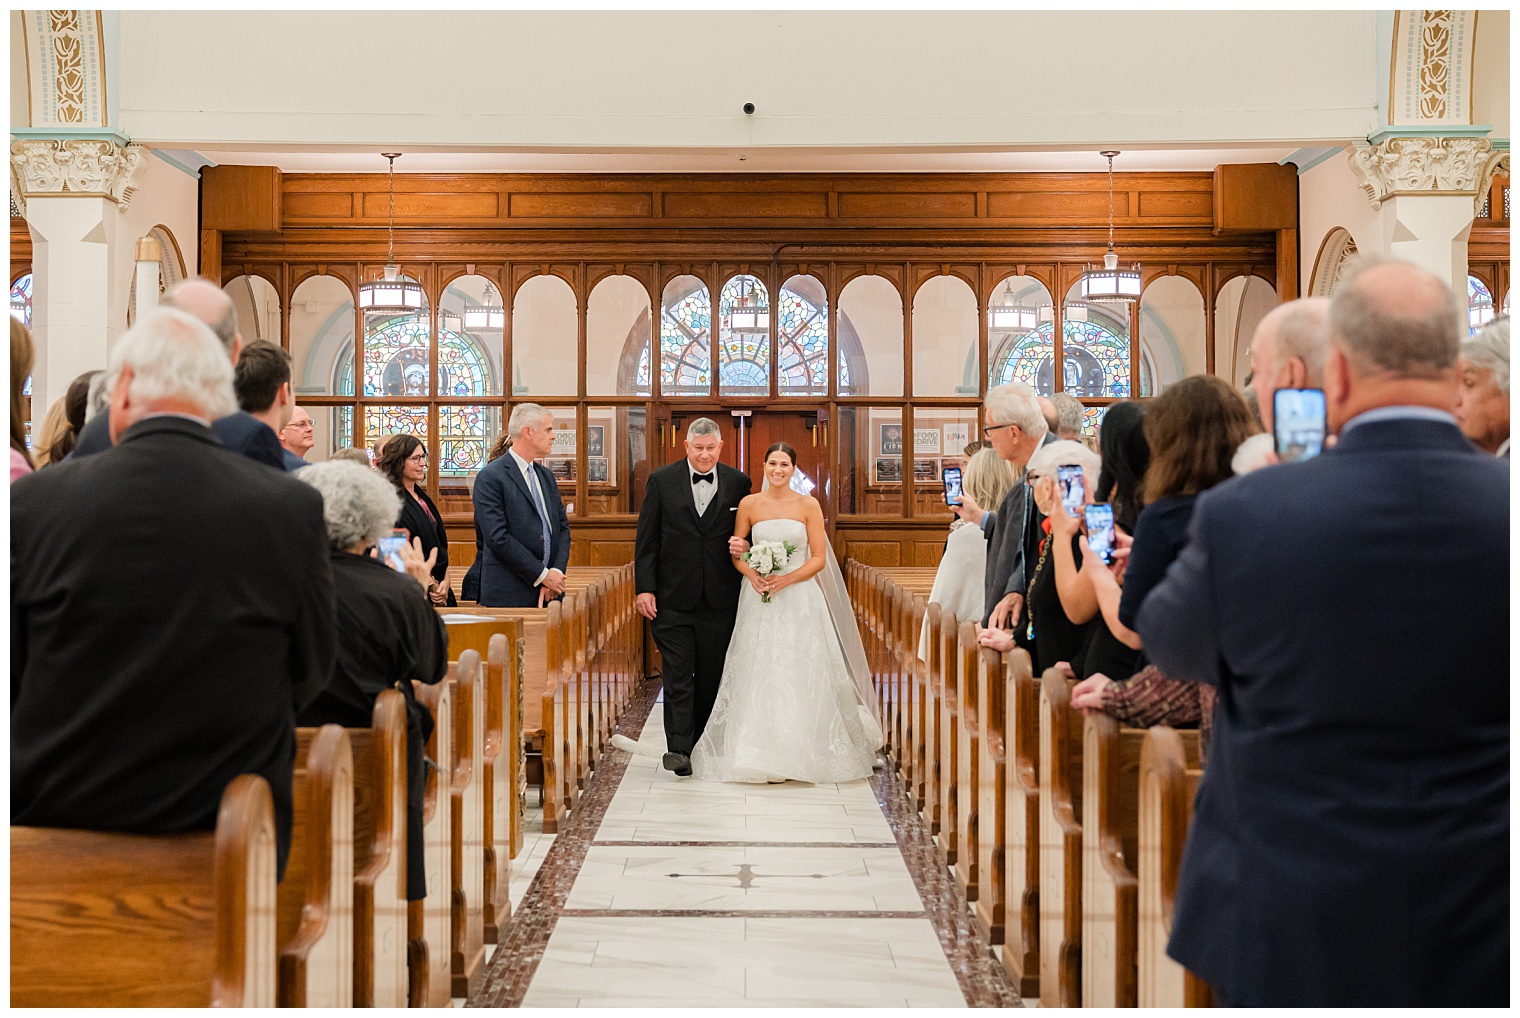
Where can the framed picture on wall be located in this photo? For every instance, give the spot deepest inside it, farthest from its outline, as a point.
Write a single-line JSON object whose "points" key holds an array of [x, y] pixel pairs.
{"points": [[926, 441], [890, 439], [926, 470], [562, 469], [888, 471], [596, 469], [564, 441], [596, 435], [957, 437]]}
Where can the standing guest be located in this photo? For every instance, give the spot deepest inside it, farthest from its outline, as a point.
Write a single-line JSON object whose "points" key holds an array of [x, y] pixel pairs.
{"points": [[972, 448], [469, 587], [404, 462], [351, 455], [961, 579], [1287, 352], [388, 635], [21, 369], [1126, 457], [153, 663], [261, 379], [1069, 416], [1483, 388], [525, 534], [1017, 428], [1194, 428], [1051, 413], [73, 406], [55, 426], [1350, 838], [297, 438], [238, 431]]}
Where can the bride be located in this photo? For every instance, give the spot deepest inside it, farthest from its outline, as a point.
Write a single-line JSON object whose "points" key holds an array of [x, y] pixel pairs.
{"points": [[796, 700]]}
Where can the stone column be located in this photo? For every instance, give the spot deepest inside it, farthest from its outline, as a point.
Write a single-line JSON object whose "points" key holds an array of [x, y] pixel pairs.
{"points": [[74, 189]]}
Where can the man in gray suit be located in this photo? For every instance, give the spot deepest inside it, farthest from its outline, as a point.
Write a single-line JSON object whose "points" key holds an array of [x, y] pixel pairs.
{"points": [[1016, 428]]}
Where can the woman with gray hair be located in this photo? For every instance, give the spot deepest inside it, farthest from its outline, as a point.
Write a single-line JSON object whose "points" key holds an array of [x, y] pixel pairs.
{"points": [[388, 633], [1483, 387]]}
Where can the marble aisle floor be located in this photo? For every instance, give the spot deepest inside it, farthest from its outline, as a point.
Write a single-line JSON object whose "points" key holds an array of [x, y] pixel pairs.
{"points": [[672, 892]]}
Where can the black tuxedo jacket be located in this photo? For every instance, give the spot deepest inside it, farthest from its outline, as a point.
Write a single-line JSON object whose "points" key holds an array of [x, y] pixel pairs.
{"points": [[1350, 838], [512, 546], [241, 432], [680, 557], [171, 610]]}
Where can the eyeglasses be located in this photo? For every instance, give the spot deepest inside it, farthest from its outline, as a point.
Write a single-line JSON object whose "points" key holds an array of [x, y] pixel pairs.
{"points": [[993, 427], [417, 457]]}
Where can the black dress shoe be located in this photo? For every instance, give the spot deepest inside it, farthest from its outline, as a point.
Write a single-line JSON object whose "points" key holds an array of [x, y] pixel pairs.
{"points": [[678, 762]]}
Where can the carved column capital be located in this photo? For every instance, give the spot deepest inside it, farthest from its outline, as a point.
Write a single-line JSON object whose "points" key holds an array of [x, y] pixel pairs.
{"points": [[85, 167], [1422, 165]]}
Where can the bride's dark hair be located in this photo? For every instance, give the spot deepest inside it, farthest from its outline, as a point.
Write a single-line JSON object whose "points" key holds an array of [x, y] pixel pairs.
{"points": [[782, 447]]}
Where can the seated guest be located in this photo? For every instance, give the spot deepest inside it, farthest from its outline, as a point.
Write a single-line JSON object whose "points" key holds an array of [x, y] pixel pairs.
{"points": [[1069, 416], [1193, 429], [960, 581], [1483, 388], [404, 463], [1351, 838], [21, 369], [297, 438], [171, 607], [1046, 630], [56, 447], [1287, 352], [238, 430], [388, 632], [525, 534], [261, 379]]}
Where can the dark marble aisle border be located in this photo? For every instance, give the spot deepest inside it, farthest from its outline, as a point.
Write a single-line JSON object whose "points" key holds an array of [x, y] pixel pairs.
{"points": [[980, 974], [511, 969]]}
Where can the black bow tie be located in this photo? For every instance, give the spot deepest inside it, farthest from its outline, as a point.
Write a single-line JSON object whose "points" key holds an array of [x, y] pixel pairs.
{"points": [[708, 477]]}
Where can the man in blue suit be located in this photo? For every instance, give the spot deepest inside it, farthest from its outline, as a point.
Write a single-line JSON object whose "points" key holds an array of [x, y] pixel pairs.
{"points": [[524, 532], [1350, 840]]}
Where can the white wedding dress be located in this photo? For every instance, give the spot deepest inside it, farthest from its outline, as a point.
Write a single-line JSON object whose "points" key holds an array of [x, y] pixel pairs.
{"points": [[790, 705]]}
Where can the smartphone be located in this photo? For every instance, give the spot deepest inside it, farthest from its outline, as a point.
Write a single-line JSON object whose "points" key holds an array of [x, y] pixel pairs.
{"points": [[1298, 423], [952, 477], [1073, 484], [390, 549], [1100, 530]]}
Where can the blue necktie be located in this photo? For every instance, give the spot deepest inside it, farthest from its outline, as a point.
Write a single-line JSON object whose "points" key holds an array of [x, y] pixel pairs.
{"points": [[543, 514]]}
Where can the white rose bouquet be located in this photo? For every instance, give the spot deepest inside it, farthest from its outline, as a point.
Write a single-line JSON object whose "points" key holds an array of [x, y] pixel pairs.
{"points": [[768, 558]]}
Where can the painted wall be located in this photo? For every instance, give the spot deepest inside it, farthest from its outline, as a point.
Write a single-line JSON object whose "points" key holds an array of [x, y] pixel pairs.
{"points": [[678, 79], [1491, 72], [1330, 196], [165, 197]]}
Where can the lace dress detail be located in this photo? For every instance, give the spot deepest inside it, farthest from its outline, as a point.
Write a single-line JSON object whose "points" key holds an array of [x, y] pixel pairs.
{"points": [[787, 707]]}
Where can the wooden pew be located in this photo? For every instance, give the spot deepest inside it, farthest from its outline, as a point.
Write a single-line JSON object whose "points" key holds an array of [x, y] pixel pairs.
{"points": [[967, 764], [316, 898], [1021, 843], [1110, 794], [947, 740], [1060, 844], [501, 769], [429, 922], [925, 713], [1169, 777], [994, 685], [131, 920], [467, 830], [380, 978]]}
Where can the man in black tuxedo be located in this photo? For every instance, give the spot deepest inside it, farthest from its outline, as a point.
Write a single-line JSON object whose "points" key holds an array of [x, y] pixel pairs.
{"points": [[239, 431], [171, 608], [524, 532], [687, 585], [1350, 839]]}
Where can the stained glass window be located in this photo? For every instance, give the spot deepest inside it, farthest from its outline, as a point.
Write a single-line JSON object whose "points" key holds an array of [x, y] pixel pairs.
{"points": [[464, 437], [1096, 361], [1092, 419], [396, 358], [641, 377], [685, 356], [380, 421], [463, 369], [744, 338], [802, 332], [21, 300], [1480, 305]]}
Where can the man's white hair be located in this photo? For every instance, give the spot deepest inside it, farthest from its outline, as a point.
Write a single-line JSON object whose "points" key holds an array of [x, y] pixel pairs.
{"points": [[525, 415], [1064, 453], [175, 356], [1014, 403], [702, 426], [358, 504], [1489, 348]]}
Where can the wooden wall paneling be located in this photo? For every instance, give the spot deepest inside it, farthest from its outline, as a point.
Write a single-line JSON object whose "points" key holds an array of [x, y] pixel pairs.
{"points": [[1254, 197], [244, 199], [211, 254], [1210, 308], [21, 248]]}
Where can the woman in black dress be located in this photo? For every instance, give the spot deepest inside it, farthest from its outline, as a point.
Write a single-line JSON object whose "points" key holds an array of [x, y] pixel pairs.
{"points": [[404, 461], [388, 633]]}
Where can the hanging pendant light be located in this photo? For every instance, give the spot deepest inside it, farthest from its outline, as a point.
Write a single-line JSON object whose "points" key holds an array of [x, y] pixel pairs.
{"points": [[749, 312], [393, 293], [1110, 284], [1008, 313], [490, 315]]}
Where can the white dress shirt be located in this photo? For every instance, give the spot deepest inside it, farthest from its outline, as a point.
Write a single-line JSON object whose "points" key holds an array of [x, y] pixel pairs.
{"points": [[530, 478], [703, 491]]}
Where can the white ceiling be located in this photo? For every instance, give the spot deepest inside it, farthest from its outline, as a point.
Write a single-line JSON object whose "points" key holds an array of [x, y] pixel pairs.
{"points": [[768, 160]]}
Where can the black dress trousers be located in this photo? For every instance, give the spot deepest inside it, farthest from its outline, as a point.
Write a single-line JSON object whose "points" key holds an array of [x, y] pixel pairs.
{"points": [[693, 646]]}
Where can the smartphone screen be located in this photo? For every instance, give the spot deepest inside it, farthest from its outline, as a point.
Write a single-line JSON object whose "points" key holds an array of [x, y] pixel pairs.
{"points": [[952, 485], [390, 550], [1298, 423], [1073, 484], [1100, 530]]}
